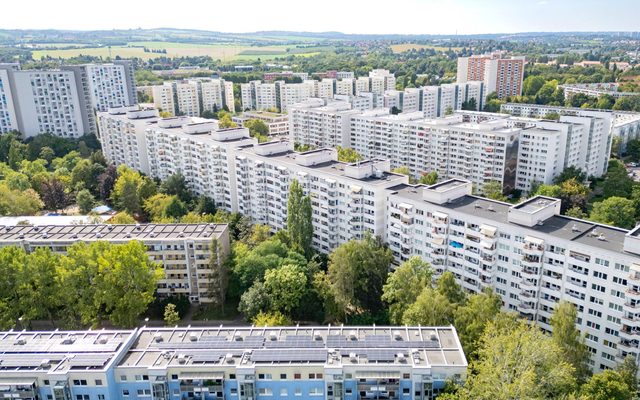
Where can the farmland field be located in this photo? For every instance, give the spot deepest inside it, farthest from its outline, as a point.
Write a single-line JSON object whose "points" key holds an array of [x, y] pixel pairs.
{"points": [[225, 52], [399, 48]]}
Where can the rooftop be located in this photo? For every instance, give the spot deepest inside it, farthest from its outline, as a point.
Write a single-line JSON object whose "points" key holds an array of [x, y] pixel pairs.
{"points": [[580, 231], [71, 233], [249, 346], [60, 351]]}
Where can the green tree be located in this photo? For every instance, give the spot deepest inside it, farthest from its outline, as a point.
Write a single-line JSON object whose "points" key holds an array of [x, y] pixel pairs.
{"points": [[569, 340], [176, 185], [126, 282], [472, 318], [299, 219], [448, 287], [518, 361], [121, 218], [633, 149], [493, 190], [431, 308], [348, 155], [12, 260], [257, 129], [17, 153], [404, 285], [175, 208], [570, 173], [607, 385], [616, 182], [254, 301], [628, 371], [404, 171], [429, 179], [15, 202], [131, 190], [219, 277], [357, 272], [85, 201], [532, 84], [171, 315], [271, 319], [285, 286], [616, 211]]}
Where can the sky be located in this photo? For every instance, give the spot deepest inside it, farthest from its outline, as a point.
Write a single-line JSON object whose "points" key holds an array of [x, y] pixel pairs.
{"points": [[348, 16]]}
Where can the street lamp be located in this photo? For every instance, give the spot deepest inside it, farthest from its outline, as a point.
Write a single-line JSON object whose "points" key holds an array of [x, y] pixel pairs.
{"points": [[20, 322]]}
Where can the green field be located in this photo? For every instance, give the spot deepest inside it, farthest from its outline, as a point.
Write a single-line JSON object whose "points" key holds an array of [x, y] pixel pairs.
{"points": [[225, 52]]}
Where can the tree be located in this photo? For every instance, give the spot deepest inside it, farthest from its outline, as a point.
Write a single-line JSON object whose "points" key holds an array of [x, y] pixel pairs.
{"points": [[404, 285], [471, 105], [518, 361], [607, 385], [205, 205], [121, 218], [299, 223], [448, 287], [285, 287], [357, 272], [569, 340], [472, 318], [348, 155], [404, 171], [126, 283], [493, 190], [175, 208], [570, 173], [85, 201], [171, 315], [176, 185], [532, 84], [54, 194], [47, 154], [156, 206], [617, 182], [224, 120], [106, 182], [633, 149], [219, 276], [448, 110], [12, 260], [616, 211], [257, 129], [15, 202], [628, 371], [254, 301], [431, 308], [429, 179], [271, 319], [17, 153], [251, 265]]}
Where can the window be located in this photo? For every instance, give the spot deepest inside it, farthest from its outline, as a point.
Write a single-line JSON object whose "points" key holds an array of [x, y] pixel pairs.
{"points": [[283, 376], [599, 274], [174, 377], [82, 397], [98, 382], [315, 392], [100, 397], [125, 393], [599, 288], [144, 392], [80, 382], [298, 391], [283, 392], [46, 381], [265, 391], [123, 378], [297, 376], [264, 376], [232, 376]]}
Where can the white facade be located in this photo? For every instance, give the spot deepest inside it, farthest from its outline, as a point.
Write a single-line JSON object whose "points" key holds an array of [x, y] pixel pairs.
{"points": [[381, 80], [320, 124], [532, 256], [8, 117], [363, 101], [215, 94], [278, 124], [256, 95], [186, 95], [163, 98], [347, 199], [345, 87], [111, 85], [293, 93]]}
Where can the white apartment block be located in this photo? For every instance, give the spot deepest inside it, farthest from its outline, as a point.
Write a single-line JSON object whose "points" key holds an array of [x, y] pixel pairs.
{"points": [[324, 89], [455, 146], [8, 117], [595, 90], [318, 123], [362, 84], [186, 96], [293, 93], [499, 74], [345, 87], [256, 95], [625, 126], [122, 135], [202, 153], [532, 256], [345, 75], [215, 94], [363, 101], [182, 250], [381, 80], [278, 124], [163, 98], [110, 85], [348, 200]]}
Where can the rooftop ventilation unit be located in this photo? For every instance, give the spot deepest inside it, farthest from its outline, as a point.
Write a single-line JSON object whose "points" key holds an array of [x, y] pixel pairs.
{"points": [[45, 363], [574, 228], [353, 357], [182, 359], [193, 337], [157, 337], [20, 342], [353, 335], [400, 357], [273, 335], [433, 336], [229, 358], [397, 335], [602, 238], [69, 339], [102, 340]]}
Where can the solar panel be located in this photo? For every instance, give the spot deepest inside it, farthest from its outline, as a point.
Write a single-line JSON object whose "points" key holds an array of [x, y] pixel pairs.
{"points": [[210, 356], [89, 360], [382, 355], [26, 360], [290, 355], [294, 341]]}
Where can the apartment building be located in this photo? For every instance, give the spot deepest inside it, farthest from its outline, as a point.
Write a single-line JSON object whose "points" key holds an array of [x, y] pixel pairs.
{"points": [[530, 254], [318, 123], [121, 132], [327, 363], [110, 85], [256, 95], [277, 123], [324, 89], [501, 75], [625, 126], [200, 151], [186, 97], [163, 98], [363, 101], [293, 93], [8, 115], [595, 90], [455, 146], [215, 94], [183, 250], [381, 80], [274, 76], [347, 199], [345, 75]]}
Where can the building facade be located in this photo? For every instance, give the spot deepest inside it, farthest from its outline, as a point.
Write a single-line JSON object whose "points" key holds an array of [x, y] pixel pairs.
{"points": [[182, 250], [501, 75], [277, 123], [318, 123], [532, 256], [216, 363]]}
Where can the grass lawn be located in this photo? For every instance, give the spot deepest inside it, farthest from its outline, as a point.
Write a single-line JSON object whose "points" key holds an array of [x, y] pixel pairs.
{"points": [[399, 48], [225, 52]]}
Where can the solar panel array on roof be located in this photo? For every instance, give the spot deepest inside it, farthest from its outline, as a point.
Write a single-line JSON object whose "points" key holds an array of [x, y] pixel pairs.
{"points": [[26, 360], [381, 355], [214, 342], [89, 360], [294, 341], [378, 341], [289, 355]]}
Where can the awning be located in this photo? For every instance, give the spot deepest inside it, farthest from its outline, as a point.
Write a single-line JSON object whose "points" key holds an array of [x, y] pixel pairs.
{"points": [[356, 189], [377, 374], [534, 240], [440, 215], [438, 240], [488, 230], [485, 244], [201, 375]]}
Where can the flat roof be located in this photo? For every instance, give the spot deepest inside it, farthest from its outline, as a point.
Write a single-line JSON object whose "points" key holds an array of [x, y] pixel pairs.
{"points": [[56, 351], [204, 137], [534, 204], [326, 345], [447, 185], [67, 233], [572, 229]]}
